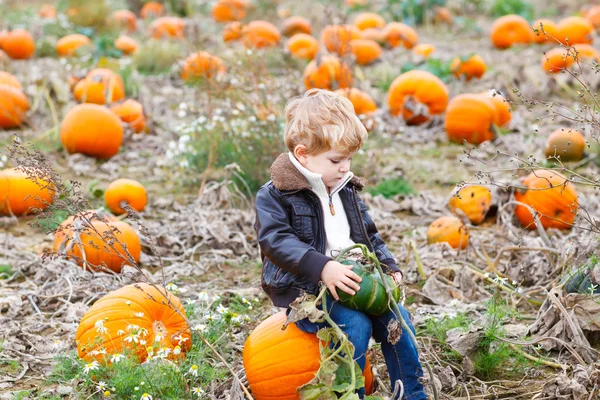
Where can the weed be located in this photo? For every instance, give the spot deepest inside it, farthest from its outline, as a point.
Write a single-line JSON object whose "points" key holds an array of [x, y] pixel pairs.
{"points": [[6, 271], [391, 187], [157, 56], [411, 11], [519, 7]]}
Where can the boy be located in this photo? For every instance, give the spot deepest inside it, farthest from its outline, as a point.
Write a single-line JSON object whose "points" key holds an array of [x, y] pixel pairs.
{"points": [[311, 208]]}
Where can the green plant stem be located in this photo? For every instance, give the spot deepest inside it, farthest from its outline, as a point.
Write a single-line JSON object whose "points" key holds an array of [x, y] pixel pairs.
{"points": [[537, 359], [422, 273]]}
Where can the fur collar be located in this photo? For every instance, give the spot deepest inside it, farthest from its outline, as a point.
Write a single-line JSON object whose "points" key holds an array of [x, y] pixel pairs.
{"points": [[285, 176]]}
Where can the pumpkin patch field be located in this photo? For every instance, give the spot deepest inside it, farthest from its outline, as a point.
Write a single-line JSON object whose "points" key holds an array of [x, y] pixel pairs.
{"points": [[135, 135]]}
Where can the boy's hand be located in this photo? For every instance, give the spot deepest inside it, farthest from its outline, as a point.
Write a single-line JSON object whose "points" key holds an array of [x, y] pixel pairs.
{"points": [[397, 277], [338, 275]]}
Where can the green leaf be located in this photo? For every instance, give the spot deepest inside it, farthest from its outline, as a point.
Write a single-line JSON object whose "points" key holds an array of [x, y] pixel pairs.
{"points": [[316, 391]]}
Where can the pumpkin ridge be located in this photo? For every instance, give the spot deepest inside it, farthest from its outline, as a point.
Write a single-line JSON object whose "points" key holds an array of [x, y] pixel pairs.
{"points": [[269, 364]]}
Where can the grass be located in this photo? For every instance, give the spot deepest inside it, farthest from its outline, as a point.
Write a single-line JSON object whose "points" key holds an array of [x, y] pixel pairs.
{"points": [[392, 187], [6, 271], [157, 56]]}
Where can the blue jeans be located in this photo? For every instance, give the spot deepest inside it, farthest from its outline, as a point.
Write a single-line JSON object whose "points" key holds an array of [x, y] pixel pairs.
{"points": [[402, 358]]}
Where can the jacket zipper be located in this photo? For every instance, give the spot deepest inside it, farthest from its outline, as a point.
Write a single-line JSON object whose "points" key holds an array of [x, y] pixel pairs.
{"points": [[362, 222]]}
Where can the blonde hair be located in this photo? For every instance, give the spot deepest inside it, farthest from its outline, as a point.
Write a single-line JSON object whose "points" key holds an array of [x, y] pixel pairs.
{"points": [[322, 120]]}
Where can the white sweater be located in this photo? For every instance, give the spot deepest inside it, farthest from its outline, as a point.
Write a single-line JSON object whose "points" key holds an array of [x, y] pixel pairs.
{"points": [[337, 228]]}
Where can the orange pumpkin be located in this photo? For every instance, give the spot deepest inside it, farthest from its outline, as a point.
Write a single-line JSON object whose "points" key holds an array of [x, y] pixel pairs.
{"points": [[442, 16], [3, 36], [418, 96], [152, 9], [258, 34], [121, 319], [167, 27], [294, 25], [474, 201], [132, 113], [575, 30], [232, 31], [47, 11], [510, 30], [93, 130], [374, 34], [327, 72], [302, 45], [68, 45], [368, 20], [337, 38], [449, 229], [202, 65], [9, 79], [278, 361], [559, 59], [593, 16], [125, 190], [397, 33], [13, 106], [19, 192], [229, 10], [18, 44], [567, 144], [471, 117], [362, 102], [126, 44], [473, 67], [125, 19], [100, 86], [552, 196], [365, 51], [502, 106], [423, 50], [547, 31]]}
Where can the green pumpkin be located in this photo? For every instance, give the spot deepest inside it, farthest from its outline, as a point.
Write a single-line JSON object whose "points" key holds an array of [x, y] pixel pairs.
{"points": [[371, 298]]}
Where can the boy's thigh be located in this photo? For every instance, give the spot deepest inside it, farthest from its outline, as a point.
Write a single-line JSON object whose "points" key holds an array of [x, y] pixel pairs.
{"points": [[347, 319]]}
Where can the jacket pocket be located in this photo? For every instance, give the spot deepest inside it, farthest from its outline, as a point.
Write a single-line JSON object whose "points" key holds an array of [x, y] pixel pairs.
{"points": [[303, 219]]}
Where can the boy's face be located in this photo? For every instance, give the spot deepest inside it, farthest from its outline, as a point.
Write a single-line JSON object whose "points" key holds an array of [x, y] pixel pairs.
{"points": [[331, 164]]}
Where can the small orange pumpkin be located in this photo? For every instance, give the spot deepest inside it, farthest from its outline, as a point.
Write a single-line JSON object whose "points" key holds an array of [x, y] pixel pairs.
{"points": [[418, 96], [167, 27], [327, 72], [100, 86], [362, 102], [125, 19], [365, 51], [552, 196], [278, 361], [229, 10], [47, 11], [510, 30], [397, 33], [258, 34], [68, 45], [593, 16], [374, 34], [337, 38], [126, 44], [13, 106], [568, 144], [152, 9], [125, 190], [449, 229], [19, 192], [423, 50], [18, 44], [303, 45], [575, 30], [473, 67], [368, 20], [474, 201], [121, 319], [502, 106], [9, 79], [93, 130], [202, 65], [547, 31], [559, 59], [442, 16], [471, 117], [232, 31], [294, 25], [132, 113]]}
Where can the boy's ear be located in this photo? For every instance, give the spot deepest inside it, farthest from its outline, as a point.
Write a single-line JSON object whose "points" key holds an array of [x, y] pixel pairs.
{"points": [[301, 153]]}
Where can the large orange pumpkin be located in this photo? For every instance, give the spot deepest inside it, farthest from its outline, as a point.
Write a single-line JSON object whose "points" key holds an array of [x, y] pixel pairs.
{"points": [[13, 106], [152, 9], [122, 318], [568, 144], [327, 72], [278, 361], [9, 79], [68, 45], [336, 38], [93, 130], [126, 44], [229, 10], [473, 67], [510, 30], [132, 113], [294, 25], [303, 45], [552, 196], [471, 117], [128, 190], [559, 59], [417, 96], [167, 27], [19, 193], [125, 19], [502, 106], [368, 20], [362, 102], [575, 30], [259, 34], [100, 86], [365, 51], [18, 44], [202, 65], [547, 31], [397, 33], [474, 201], [100, 243], [449, 229]]}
